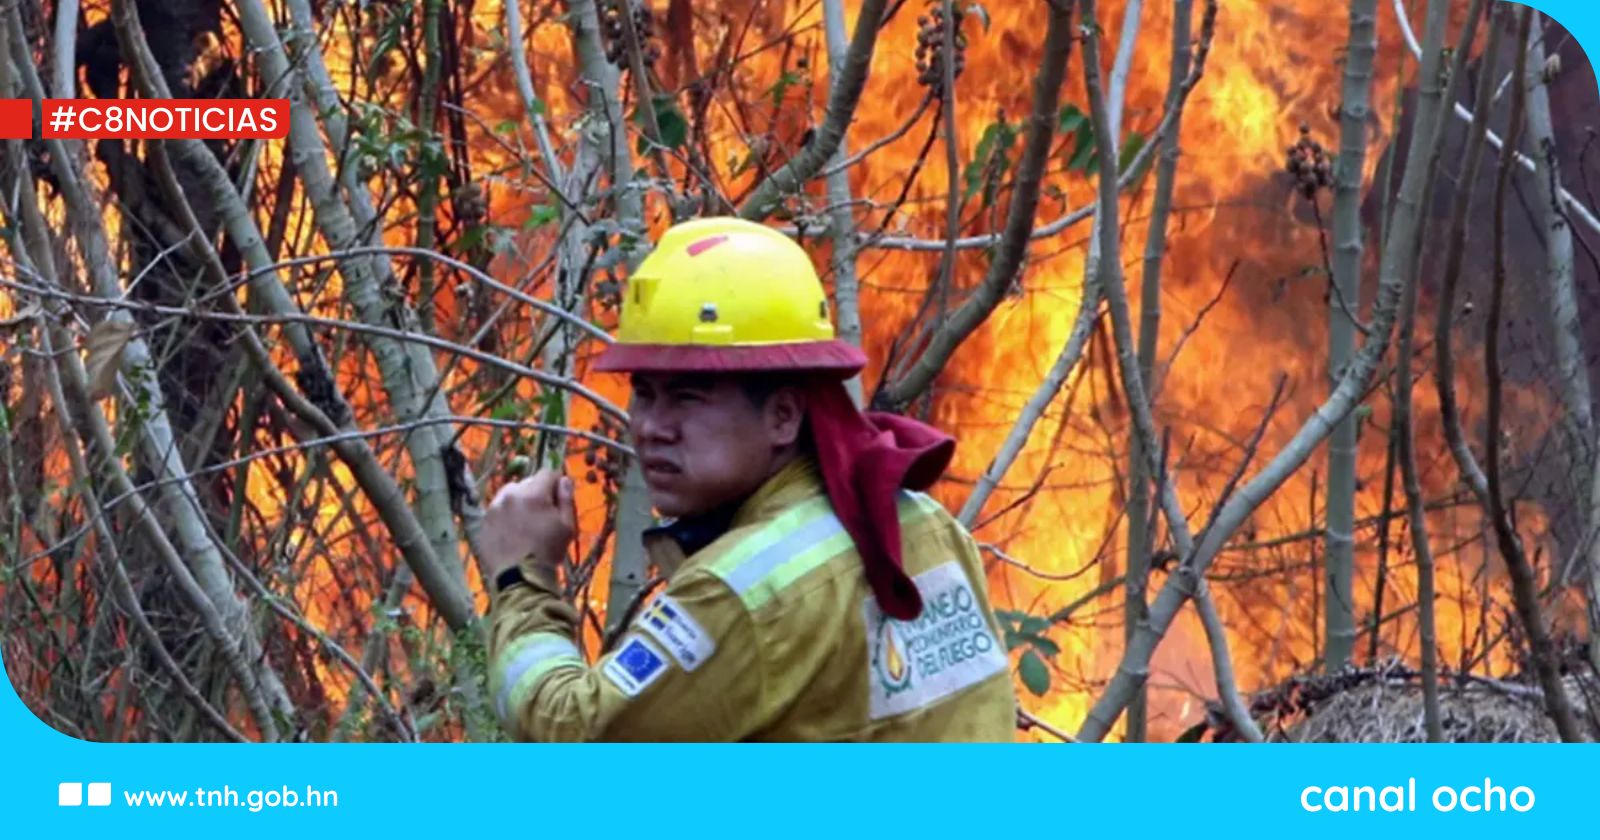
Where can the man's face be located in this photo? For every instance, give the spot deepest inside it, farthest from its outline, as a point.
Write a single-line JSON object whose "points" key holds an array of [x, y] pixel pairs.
{"points": [[702, 442]]}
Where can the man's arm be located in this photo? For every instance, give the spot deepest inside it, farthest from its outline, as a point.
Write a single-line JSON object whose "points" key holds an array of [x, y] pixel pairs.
{"points": [[687, 669]]}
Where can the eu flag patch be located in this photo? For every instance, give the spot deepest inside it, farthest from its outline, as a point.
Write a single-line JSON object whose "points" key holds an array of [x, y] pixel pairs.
{"points": [[638, 660], [635, 666]]}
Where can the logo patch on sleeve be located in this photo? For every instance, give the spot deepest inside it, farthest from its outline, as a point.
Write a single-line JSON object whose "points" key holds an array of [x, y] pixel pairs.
{"points": [[635, 666], [950, 646], [670, 624]]}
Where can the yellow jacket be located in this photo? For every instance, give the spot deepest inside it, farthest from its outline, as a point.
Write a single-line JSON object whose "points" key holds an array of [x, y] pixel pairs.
{"points": [[769, 633]]}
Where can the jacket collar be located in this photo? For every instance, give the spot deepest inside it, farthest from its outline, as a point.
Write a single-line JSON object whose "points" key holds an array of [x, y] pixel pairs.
{"points": [[798, 481], [672, 542]]}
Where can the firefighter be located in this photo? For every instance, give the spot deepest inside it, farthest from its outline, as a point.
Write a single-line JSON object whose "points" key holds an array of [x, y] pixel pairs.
{"points": [[812, 593]]}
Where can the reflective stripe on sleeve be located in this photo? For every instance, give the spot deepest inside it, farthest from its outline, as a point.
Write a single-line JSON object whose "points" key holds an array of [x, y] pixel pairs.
{"points": [[519, 667]]}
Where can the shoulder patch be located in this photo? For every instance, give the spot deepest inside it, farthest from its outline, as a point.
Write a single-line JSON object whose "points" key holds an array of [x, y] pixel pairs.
{"points": [[670, 624], [912, 664], [635, 666]]}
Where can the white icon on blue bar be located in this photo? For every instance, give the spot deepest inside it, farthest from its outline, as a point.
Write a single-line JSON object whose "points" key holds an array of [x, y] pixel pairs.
{"points": [[70, 794]]}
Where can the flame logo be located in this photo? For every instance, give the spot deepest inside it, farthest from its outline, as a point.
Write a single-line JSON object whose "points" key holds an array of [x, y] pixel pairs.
{"points": [[889, 661], [894, 663]]}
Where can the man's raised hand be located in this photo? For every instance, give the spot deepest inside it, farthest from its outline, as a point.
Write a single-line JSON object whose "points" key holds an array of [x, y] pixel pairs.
{"points": [[533, 517]]}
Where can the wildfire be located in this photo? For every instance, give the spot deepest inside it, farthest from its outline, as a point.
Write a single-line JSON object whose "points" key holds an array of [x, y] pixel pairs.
{"points": [[1274, 65]]}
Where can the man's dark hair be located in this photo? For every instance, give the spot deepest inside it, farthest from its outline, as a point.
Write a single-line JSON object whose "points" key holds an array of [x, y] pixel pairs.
{"points": [[759, 387]]}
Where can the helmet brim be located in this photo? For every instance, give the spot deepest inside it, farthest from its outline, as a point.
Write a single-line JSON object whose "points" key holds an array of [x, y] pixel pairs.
{"points": [[835, 357]]}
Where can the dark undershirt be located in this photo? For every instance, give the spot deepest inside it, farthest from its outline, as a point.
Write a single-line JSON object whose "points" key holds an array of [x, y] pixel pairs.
{"points": [[693, 533]]}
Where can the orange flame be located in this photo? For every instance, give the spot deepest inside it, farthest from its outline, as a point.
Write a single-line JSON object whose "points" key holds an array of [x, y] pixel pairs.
{"points": [[1273, 66]]}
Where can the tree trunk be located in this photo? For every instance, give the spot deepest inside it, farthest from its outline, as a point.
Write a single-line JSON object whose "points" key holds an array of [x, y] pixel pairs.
{"points": [[1576, 431], [1141, 534], [841, 225], [1344, 305]]}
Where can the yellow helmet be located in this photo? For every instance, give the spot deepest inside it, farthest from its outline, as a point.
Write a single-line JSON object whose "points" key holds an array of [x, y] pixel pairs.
{"points": [[725, 294]]}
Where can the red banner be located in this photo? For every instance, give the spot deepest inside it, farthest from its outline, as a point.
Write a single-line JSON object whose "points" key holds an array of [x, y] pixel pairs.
{"points": [[129, 119]]}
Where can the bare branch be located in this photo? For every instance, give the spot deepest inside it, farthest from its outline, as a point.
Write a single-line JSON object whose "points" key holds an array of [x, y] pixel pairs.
{"points": [[950, 333], [1355, 111], [1066, 361], [407, 336], [843, 162], [93, 428], [156, 435], [429, 254], [1027, 720], [63, 73], [1141, 526], [1577, 207], [1444, 314], [122, 588], [1164, 130], [1003, 557], [1524, 586], [843, 96], [1222, 662], [1396, 271], [410, 377], [841, 222], [516, 52]]}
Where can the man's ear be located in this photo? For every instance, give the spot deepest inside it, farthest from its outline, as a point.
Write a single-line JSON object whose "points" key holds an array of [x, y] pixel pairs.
{"points": [[785, 415]]}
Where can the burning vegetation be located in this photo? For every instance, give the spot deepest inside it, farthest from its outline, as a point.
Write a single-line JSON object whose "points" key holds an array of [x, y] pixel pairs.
{"points": [[1265, 330]]}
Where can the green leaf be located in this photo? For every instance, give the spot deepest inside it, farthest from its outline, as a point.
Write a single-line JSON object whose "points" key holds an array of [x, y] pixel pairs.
{"points": [[387, 40], [1035, 675], [1084, 155], [1014, 640], [1046, 646], [506, 127], [536, 108], [1072, 119], [973, 175], [1130, 149], [431, 160], [427, 722], [1034, 625], [674, 128], [554, 407], [994, 150], [540, 215], [788, 80]]}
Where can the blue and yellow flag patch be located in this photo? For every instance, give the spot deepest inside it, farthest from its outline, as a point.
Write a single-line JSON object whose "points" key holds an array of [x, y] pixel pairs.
{"points": [[670, 624]]}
